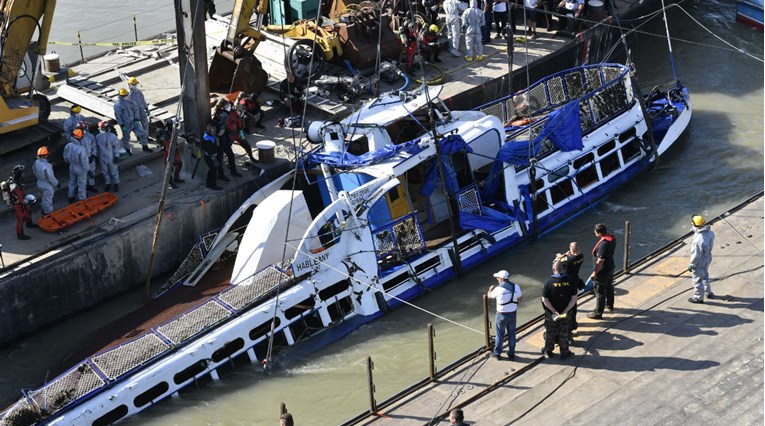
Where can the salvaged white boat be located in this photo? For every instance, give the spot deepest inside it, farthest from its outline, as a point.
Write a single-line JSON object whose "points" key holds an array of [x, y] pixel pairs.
{"points": [[395, 199]]}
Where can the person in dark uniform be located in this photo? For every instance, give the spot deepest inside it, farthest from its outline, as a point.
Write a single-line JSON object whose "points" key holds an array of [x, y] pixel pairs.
{"points": [[572, 261], [210, 153], [603, 271], [558, 298]]}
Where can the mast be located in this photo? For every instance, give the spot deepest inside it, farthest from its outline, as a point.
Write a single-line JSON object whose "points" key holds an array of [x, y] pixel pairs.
{"points": [[669, 41]]}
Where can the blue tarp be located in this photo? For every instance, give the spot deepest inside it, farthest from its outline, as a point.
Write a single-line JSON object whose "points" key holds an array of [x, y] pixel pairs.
{"points": [[490, 220], [563, 128], [451, 144], [345, 160]]}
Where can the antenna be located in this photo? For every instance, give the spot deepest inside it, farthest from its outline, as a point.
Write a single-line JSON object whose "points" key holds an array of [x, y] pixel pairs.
{"points": [[669, 41]]}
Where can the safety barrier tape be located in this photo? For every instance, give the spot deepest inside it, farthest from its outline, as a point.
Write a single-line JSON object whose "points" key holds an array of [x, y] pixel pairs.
{"points": [[119, 43]]}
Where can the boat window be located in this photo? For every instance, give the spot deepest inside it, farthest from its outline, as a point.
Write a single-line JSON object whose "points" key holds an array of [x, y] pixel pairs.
{"points": [[606, 148], [558, 174], [586, 177], [609, 164], [150, 395], [334, 290], [358, 146], [261, 349], [581, 161], [299, 308], [427, 265], [228, 349], [304, 328], [624, 137], [111, 416], [630, 151], [462, 169], [396, 281], [561, 190], [263, 329], [540, 204], [329, 234], [338, 310], [540, 184], [190, 371]]}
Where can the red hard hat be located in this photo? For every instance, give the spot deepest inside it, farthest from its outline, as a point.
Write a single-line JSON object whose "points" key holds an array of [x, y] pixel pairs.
{"points": [[82, 125], [103, 124]]}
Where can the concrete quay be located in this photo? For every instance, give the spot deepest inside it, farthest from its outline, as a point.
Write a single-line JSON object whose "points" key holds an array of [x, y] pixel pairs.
{"points": [[655, 360], [55, 275]]}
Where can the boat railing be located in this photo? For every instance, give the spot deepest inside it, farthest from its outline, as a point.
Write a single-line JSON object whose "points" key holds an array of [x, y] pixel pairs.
{"points": [[603, 91], [398, 240], [107, 367]]}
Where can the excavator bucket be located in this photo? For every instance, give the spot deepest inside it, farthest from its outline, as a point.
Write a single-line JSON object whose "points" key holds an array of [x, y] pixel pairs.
{"points": [[229, 73]]}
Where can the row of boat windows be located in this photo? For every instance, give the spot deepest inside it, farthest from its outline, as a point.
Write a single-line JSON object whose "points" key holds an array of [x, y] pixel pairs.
{"points": [[300, 330], [561, 186]]}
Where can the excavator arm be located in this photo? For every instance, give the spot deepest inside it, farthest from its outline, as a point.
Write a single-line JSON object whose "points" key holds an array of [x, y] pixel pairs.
{"points": [[233, 66], [19, 21]]}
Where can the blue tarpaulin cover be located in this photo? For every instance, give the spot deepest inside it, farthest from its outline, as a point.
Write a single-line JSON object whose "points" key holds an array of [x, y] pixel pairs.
{"points": [[344, 160], [563, 128], [451, 144], [489, 220]]}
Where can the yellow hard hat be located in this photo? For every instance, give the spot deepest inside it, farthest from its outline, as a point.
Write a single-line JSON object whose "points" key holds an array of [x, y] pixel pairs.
{"points": [[43, 151], [77, 133], [75, 109], [433, 28], [133, 80], [698, 220], [123, 92]]}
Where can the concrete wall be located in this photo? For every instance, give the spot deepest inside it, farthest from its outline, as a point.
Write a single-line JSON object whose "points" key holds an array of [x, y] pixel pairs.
{"points": [[111, 261]]}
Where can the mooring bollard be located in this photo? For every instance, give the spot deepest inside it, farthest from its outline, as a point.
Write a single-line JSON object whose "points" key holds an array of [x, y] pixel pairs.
{"points": [[626, 267], [431, 353], [372, 402], [486, 322]]}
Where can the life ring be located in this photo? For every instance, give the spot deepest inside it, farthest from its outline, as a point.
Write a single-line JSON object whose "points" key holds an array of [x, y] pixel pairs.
{"points": [[520, 123]]}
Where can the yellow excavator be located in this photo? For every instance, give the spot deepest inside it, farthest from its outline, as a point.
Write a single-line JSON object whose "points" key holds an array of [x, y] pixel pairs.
{"points": [[20, 105], [233, 66]]}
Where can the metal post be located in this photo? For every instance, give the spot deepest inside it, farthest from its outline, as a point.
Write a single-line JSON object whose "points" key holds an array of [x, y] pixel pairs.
{"points": [[486, 322], [372, 402], [282, 409], [135, 28], [1, 256], [626, 267], [79, 43], [431, 353], [192, 61]]}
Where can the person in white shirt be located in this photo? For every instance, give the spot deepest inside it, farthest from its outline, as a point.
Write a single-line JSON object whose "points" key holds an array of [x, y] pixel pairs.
{"points": [[507, 294], [566, 8]]}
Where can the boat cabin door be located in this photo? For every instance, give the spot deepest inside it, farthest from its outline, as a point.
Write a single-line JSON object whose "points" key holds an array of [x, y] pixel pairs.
{"points": [[398, 199]]}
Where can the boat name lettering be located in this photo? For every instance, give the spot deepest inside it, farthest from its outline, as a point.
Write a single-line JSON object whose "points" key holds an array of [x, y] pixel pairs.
{"points": [[312, 262]]}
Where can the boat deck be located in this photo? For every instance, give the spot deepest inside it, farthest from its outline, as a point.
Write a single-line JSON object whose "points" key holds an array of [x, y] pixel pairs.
{"points": [[157, 312]]}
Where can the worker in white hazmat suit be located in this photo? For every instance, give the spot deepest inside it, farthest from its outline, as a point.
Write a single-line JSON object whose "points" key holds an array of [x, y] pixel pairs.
{"points": [[473, 20], [453, 10], [108, 152], [46, 180]]}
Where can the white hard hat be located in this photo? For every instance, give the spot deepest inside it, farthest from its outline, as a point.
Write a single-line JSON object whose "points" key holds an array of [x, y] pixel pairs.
{"points": [[29, 198]]}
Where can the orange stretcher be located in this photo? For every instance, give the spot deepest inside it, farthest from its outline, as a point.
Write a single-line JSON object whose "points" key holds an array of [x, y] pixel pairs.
{"points": [[73, 213]]}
